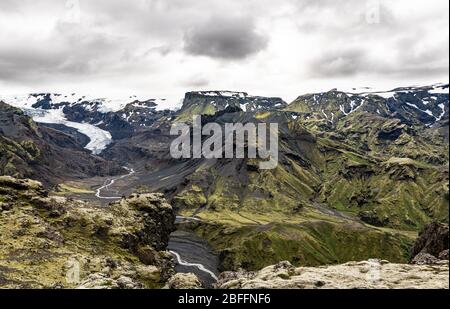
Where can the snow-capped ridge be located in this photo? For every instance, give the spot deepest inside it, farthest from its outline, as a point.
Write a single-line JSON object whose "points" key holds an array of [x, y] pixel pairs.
{"points": [[102, 105], [220, 93], [440, 88], [221, 100], [421, 104]]}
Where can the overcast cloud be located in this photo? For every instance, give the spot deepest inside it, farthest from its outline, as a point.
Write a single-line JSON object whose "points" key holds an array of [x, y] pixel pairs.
{"points": [[164, 48], [228, 38]]}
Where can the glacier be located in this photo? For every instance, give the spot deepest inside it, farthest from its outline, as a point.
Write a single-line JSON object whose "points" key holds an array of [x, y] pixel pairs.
{"points": [[99, 139]]}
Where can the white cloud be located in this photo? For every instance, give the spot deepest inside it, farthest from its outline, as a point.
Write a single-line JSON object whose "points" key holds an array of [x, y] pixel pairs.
{"points": [[281, 48]]}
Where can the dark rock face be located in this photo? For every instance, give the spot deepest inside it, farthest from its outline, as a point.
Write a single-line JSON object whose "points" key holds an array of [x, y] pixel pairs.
{"points": [[81, 139], [432, 240], [390, 135], [373, 219]]}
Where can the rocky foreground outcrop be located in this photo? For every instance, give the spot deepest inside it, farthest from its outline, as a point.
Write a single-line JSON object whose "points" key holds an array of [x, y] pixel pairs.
{"points": [[54, 242], [184, 281], [372, 274]]}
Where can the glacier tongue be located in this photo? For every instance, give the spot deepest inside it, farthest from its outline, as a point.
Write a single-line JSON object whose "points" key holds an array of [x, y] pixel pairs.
{"points": [[99, 139]]}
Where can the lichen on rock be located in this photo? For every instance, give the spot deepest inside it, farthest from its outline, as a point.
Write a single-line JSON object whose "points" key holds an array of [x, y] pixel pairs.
{"points": [[372, 274], [49, 242], [182, 281]]}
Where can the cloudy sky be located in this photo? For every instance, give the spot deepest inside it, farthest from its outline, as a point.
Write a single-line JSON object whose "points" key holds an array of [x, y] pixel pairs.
{"points": [[163, 48]]}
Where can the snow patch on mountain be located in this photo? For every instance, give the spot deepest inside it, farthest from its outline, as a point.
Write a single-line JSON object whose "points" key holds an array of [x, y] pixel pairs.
{"points": [[442, 106], [365, 91], [229, 94], [440, 89], [423, 111]]}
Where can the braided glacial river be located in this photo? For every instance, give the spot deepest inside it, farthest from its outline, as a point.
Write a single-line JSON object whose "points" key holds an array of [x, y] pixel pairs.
{"points": [[193, 254]]}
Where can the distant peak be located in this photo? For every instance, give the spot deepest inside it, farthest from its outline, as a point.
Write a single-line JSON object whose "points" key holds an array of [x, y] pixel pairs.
{"points": [[439, 88], [221, 93]]}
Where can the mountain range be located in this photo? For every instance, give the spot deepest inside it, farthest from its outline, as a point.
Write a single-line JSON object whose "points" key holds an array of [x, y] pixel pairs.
{"points": [[360, 171]]}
